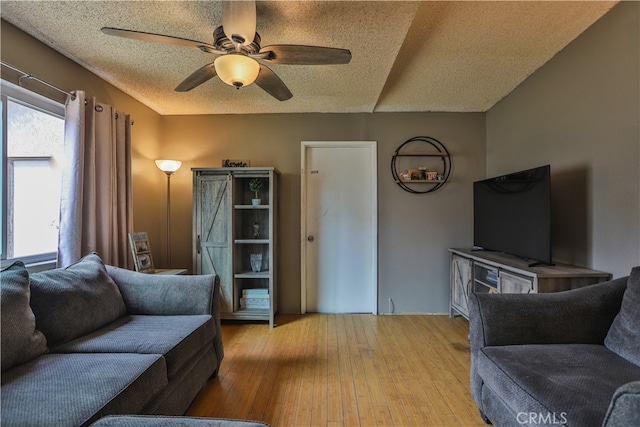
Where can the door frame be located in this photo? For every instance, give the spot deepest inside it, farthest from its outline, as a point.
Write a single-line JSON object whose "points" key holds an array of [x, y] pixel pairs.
{"points": [[372, 146]]}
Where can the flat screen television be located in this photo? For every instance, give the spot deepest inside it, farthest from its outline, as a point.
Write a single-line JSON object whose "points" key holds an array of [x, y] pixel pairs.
{"points": [[512, 214]]}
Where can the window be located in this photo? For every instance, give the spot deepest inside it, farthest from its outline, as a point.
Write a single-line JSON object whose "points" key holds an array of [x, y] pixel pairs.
{"points": [[31, 172]]}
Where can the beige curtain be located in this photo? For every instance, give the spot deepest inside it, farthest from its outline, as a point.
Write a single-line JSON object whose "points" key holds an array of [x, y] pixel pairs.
{"points": [[96, 206]]}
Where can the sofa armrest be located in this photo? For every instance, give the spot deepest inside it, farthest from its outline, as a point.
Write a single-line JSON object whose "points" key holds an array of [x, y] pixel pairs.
{"points": [[215, 313], [165, 295], [624, 409]]}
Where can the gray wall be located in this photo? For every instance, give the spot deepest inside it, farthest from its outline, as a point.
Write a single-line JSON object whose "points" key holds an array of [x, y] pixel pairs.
{"points": [[414, 230], [580, 114]]}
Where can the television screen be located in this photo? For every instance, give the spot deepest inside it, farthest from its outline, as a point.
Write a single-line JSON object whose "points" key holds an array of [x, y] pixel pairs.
{"points": [[512, 214]]}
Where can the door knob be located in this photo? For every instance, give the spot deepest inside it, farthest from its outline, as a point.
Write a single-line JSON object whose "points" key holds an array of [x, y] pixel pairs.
{"points": [[310, 238]]}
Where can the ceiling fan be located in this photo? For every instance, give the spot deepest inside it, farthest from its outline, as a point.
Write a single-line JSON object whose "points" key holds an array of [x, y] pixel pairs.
{"points": [[237, 45]]}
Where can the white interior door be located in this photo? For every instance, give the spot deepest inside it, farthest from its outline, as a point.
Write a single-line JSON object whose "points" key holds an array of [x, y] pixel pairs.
{"points": [[339, 227]]}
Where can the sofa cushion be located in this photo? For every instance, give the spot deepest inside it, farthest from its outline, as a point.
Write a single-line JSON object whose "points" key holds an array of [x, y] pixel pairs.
{"points": [[76, 389], [624, 335], [177, 338], [76, 300], [21, 341], [562, 380], [183, 388], [164, 295]]}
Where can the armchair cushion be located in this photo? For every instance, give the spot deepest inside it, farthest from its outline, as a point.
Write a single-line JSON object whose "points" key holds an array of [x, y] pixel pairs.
{"points": [[569, 391], [21, 341], [623, 337], [76, 300]]}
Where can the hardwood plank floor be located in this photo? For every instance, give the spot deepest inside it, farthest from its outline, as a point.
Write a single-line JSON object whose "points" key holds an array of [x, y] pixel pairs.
{"points": [[344, 370]]}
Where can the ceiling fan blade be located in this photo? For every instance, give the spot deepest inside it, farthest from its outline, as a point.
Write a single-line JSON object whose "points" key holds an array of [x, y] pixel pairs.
{"points": [[239, 21], [306, 55], [159, 38], [198, 77], [271, 83]]}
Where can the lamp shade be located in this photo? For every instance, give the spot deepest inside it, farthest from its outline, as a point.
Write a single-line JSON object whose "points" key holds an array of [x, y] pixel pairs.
{"points": [[168, 166], [236, 69]]}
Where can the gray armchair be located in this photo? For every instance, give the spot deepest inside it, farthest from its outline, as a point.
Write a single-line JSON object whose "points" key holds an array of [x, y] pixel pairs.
{"points": [[541, 359]]}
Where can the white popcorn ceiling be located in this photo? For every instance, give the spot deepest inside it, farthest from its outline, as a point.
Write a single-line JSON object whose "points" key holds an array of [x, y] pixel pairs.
{"points": [[460, 56]]}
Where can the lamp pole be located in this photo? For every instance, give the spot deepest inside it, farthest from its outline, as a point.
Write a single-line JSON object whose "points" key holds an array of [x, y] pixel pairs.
{"points": [[169, 218], [169, 167]]}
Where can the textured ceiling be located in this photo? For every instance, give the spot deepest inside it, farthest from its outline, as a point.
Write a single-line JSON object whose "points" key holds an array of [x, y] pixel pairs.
{"points": [[406, 56]]}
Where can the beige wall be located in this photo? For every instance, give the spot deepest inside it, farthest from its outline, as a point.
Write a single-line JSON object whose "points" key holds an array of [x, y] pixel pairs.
{"points": [[30, 55], [414, 230], [580, 113]]}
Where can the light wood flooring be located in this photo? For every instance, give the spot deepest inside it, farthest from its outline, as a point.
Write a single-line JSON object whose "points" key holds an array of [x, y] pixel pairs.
{"points": [[344, 370]]}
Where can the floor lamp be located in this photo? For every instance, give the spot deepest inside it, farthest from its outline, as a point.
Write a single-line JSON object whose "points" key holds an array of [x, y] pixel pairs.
{"points": [[169, 167]]}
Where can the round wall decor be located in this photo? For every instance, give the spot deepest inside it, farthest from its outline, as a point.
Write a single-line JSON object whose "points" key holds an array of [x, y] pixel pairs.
{"points": [[415, 166]]}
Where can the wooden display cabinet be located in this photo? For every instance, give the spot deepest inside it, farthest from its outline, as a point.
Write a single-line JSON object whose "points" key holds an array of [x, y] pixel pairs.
{"points": [[236, 239]]}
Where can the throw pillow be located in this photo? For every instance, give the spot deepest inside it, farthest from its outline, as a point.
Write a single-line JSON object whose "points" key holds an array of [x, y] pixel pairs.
{"points": [[623, 337], [76, 300], [21, 341]]}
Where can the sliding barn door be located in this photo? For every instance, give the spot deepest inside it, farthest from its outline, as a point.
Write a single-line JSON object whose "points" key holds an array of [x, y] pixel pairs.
{"points": [[212, 232]]}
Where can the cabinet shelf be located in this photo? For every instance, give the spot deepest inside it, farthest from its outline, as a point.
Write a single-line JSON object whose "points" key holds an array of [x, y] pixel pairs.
{"points": [[252, 275], [256, 207], [257, 312], [485, 277], [421, 154], [421, 181]]}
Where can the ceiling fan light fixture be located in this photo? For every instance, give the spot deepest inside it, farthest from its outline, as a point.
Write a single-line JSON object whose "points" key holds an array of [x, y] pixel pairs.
{"points": [[236, 69]]}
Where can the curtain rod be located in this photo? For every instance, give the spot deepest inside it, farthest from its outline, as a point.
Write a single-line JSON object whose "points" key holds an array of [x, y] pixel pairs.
{"points": [[30, 76]]}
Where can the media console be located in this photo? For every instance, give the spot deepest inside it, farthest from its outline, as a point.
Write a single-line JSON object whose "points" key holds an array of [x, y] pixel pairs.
{"points": [[488, 272]]}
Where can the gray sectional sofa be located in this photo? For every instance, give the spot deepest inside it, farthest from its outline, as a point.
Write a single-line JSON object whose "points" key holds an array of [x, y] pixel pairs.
{"points": [[92, 340], [564, 359]]}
